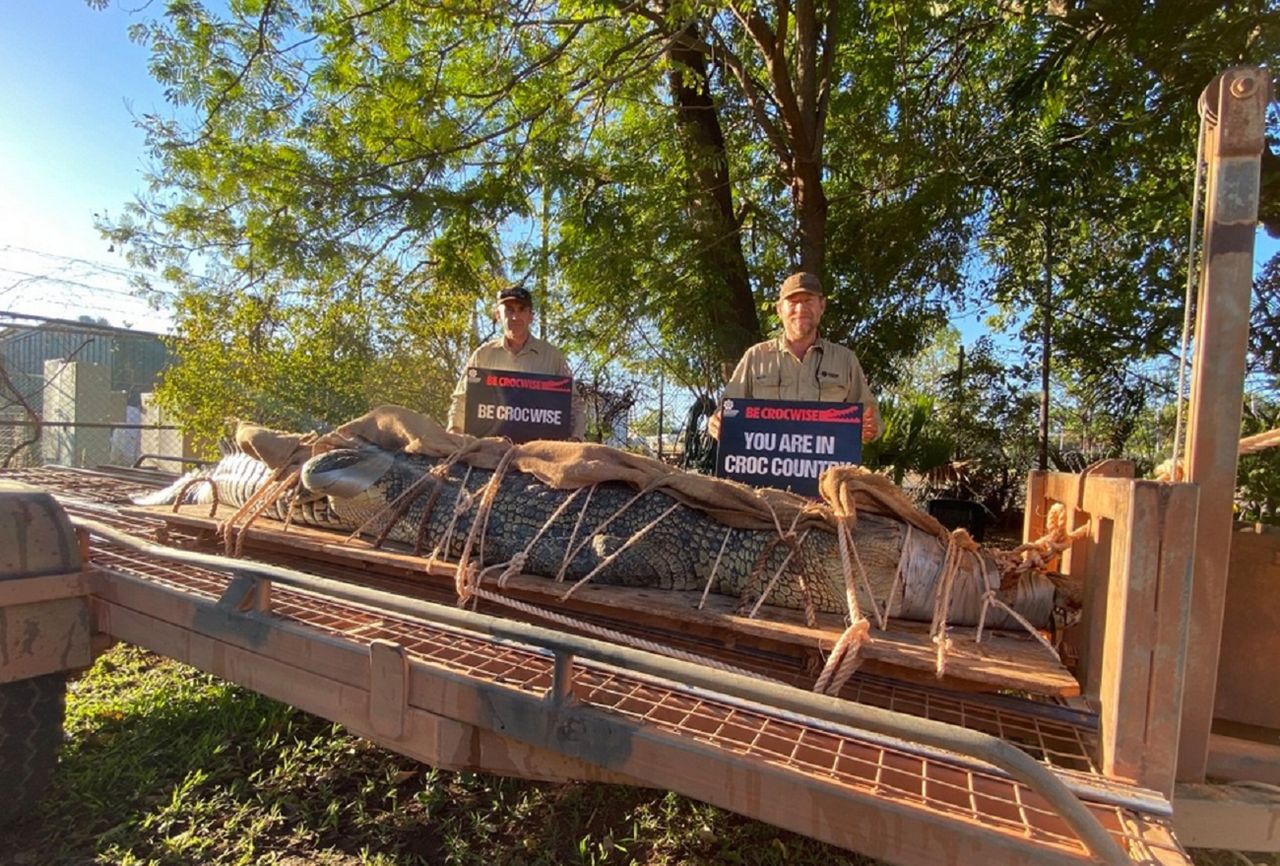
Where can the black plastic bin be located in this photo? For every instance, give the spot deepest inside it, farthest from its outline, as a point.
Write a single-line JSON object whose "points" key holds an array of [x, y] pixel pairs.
{"points": [[956, 513]]}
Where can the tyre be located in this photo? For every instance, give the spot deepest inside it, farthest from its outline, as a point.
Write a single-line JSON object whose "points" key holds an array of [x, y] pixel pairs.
{"points": [[31, 714]]}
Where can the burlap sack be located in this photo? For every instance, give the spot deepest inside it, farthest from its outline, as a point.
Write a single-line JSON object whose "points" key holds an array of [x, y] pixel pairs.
{"points": [[570, 465]]}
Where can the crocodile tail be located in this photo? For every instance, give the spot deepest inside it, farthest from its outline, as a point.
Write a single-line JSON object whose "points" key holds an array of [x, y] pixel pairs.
{"points": [[237, 476], [166, 495]]}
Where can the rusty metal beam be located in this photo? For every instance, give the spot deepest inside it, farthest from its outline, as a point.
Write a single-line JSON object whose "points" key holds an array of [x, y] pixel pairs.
{"points": [[1234, 108]]}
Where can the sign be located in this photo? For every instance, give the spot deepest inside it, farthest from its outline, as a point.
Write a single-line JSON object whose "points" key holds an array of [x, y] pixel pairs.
{"points": [[519, 406], [787, 443]]}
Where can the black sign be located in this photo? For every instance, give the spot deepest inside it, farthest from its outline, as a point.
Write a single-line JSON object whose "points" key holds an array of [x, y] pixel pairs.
{"points": [[520, 406], [787, 443]]}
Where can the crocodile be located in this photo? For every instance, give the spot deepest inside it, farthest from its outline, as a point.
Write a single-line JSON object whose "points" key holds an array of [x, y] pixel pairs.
{"points": [[654, 542], [233, 481]]}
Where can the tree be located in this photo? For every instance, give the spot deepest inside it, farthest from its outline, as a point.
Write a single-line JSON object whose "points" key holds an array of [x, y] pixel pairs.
{"points": [[657, 167], [1107, 94]]}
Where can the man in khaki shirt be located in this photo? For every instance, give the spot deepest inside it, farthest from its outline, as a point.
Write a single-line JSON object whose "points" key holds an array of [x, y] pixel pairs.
{"points": [[800, 365], [518, 351]]}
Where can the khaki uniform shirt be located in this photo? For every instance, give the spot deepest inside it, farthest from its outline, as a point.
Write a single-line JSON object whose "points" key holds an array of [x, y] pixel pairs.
{"points": [[536, 356], [829, 373]]}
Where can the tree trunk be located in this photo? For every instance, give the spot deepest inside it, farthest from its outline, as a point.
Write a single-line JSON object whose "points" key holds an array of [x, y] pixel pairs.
{"points": [[732, 313], [808, 127], [811, 213]]}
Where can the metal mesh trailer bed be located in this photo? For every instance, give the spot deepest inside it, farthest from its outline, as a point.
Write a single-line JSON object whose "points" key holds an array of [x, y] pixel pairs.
{"points": [[903, 771]]}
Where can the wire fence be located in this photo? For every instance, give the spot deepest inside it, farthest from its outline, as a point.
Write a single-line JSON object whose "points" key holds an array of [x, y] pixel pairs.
{"points": [[79, 393]]}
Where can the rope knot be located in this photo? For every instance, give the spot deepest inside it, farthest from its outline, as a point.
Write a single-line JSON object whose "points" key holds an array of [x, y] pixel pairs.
{"points": [[844, 658], [463, 503], [944, 645], [514, 567]]}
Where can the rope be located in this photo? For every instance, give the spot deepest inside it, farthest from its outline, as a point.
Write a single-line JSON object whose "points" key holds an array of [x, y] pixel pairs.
{"points": [[442, 472], [294, 493], [461, 505], [1186, 303], [1036, 555], [988, 599], [844, 659], [573, 536], [571, 555], [849, 550], [213, 490], [958, 544], [262, 498], [792, 545], [395, 509], [845, 656], [904, 562], [512, 567], [463, 580], [714, 567], [398, 506], [613, 556]]}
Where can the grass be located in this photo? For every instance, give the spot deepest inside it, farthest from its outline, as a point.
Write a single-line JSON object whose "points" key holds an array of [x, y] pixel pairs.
{"points": [[166, 765]]}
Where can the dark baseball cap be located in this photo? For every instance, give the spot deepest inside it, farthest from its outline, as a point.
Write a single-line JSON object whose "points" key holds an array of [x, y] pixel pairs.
{"points": [[801, 281], [515, 293]]}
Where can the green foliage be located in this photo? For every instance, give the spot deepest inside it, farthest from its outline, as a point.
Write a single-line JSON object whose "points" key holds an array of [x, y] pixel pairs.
{"points": [[912, 441], [342, 188], [165, 765], [1258, 474], [982, 407]]}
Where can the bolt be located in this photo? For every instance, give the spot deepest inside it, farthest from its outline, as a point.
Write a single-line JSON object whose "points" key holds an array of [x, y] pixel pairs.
{"points": [[1244, 86]]}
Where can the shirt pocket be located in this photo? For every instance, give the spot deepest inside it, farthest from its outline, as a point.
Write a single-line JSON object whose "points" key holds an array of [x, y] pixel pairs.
{"points": [[833, 389]]}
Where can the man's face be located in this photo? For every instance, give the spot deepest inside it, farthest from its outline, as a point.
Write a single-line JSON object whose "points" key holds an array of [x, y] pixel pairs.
{"points": [[515, 319], [800, 313]]}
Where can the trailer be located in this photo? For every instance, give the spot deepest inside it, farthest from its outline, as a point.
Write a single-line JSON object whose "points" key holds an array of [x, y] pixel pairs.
{"points": [[1011, 758]]}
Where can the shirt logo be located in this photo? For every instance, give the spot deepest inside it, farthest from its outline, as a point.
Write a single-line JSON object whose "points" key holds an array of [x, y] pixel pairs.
{"points": [[828, 375]]}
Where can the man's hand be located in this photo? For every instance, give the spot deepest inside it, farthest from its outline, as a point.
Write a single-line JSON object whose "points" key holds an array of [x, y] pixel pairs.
{"points": [[713, 425], [870, 426]]}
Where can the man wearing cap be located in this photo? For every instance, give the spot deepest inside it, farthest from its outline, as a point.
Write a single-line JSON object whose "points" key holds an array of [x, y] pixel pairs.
{"points": [[518, 351], [799, 364]]}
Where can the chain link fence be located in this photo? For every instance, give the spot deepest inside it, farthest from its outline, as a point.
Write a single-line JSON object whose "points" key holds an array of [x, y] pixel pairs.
{"points": [[79, 394]]}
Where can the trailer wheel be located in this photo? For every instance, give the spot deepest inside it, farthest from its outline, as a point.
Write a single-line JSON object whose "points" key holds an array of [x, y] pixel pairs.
{"points": [[31, 713]]}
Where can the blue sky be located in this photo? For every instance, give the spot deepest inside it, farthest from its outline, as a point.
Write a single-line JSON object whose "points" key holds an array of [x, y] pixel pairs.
{"points": [[70, 84]]}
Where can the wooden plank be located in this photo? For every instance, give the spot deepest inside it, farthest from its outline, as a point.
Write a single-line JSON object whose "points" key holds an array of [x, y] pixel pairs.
{"points": [[44, 637], [1231, 817], [388, 688], [1249, 692], [1034, 512], [1092, 498], [1004, 660], [1104, 502], [28, 590], [1148, 603], [1240, 760]]}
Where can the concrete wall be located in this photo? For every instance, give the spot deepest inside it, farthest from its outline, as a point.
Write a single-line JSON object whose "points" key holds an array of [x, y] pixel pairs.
{"points": [[78, 392]]}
